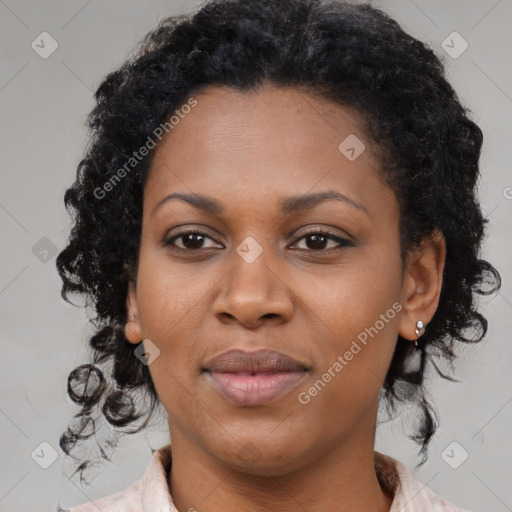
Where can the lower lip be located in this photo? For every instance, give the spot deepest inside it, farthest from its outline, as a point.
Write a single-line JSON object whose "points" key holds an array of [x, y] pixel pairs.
{"points": [[251, 390]]}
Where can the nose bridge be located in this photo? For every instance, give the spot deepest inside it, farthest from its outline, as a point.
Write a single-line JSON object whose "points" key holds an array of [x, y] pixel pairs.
{"points": [[252, 262], [252, 289]]}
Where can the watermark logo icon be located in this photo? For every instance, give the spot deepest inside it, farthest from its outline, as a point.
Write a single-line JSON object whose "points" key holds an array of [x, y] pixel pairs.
{"points": [[147, 352], [44, 250], [44, 455], [454, 455], [44, 45], [454, 45], [249, 249], [351, 147]]}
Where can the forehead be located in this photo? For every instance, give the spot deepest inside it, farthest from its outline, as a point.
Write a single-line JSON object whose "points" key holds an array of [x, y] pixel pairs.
{"points": [[226, 117], [271, 140]]}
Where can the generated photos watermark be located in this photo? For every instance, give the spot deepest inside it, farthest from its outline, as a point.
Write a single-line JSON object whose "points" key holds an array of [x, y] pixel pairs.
{"points": [[304, 397], [143, 151]]}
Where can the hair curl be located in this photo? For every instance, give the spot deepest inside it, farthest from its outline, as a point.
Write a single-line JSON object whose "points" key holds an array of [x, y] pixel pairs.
{"points": [[356, 56]]}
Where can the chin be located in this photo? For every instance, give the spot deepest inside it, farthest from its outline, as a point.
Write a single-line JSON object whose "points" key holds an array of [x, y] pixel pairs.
{"points": [[259, 455]]}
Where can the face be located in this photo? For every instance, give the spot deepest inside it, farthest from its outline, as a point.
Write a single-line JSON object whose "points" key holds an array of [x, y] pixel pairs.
{"points": [[319, 280]]}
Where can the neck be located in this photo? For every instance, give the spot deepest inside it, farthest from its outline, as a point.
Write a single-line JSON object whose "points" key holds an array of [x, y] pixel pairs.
{"points": [[343, 478]]}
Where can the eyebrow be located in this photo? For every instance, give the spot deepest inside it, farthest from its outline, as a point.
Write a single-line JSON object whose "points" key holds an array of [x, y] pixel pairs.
{"points": [[288, 205]]}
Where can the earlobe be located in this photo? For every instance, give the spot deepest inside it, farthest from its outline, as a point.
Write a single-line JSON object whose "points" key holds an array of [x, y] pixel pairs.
{"points": [[132, 328], [422, 285]]}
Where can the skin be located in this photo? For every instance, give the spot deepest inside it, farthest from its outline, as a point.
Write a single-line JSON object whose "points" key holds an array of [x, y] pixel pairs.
{"points": [[249, 151]]}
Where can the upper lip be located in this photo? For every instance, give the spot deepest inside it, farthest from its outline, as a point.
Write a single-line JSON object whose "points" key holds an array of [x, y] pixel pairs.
{"points": [[263, 360]]}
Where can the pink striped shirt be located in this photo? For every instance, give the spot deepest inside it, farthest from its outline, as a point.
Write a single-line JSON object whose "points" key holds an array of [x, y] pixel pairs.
{"points": [[151, 492]]}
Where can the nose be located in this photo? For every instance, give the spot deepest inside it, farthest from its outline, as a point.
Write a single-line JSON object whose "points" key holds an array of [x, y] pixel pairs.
{"points": [[254, 294]]}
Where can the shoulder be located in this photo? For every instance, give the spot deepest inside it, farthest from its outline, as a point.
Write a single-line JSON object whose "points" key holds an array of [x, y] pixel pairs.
{"points": [[150, 492], [410, 495], [126, 500]]}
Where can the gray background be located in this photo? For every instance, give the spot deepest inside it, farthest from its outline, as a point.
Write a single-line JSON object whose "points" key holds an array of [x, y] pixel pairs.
{"points": [[43, 106]]}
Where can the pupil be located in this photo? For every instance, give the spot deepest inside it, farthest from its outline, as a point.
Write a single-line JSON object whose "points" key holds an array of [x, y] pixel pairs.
{"points": [[189, 238], [315, 239]]}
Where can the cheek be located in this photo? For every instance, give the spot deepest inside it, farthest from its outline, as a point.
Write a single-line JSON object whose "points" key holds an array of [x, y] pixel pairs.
{"points": [[352, 369], [361, 310], [170, 304], [169, 294], [353, 297]]}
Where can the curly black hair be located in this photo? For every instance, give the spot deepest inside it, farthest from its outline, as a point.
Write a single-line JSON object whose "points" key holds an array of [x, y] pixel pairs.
{"points": [[354, 55]]}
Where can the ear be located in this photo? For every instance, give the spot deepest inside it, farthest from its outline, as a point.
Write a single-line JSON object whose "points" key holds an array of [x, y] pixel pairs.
{"points": [[422, 283], [132, 330]]}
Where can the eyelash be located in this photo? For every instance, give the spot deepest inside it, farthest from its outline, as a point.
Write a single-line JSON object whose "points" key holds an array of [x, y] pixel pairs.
{"points": [[342, 241]]}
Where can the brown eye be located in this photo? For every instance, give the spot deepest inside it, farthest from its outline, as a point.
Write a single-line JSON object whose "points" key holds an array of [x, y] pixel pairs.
{"points": [[319, 240], [189, 240]]}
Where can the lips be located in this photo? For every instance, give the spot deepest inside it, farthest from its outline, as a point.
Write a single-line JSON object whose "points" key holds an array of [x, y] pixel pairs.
{"points": [[236, 361], [254, 378]]}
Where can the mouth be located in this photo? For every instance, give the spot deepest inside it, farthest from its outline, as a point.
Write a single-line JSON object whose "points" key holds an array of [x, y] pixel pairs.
{"points": [[254, 378]]}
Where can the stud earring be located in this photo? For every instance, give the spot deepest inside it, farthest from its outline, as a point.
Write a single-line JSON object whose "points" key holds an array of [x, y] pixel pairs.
{"points": [[417, 331]]}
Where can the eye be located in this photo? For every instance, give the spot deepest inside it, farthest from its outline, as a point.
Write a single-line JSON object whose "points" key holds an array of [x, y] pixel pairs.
{"points": [[190, 240], [318, 240]]}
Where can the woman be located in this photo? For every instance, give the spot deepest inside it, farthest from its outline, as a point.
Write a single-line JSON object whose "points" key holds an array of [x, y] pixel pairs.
{"points": [[277, 223]]}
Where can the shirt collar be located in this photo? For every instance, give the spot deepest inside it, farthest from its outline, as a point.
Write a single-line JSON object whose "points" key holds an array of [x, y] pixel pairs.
{"points": [[155, 489]]}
